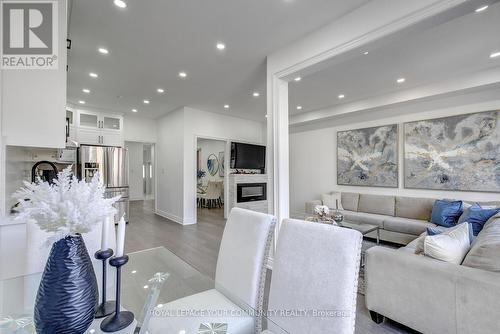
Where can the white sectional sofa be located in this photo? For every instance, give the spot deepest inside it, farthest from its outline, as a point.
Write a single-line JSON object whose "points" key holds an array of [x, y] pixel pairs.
{"points": [[401, 219], [436, 297]]}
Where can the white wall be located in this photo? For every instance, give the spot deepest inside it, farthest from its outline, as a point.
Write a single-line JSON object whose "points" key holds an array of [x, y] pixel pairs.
{"points": [[313, 167], [135, 179], [139, 129], [169, 166], [208, 147], [176, 151]]}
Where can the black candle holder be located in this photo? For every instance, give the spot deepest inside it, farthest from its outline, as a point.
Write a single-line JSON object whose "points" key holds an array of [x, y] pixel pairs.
{"points": [[106, 307], [119, 319]]}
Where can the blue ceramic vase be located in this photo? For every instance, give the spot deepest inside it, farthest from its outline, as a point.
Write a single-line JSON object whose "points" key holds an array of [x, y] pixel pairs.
{"points": [[68, 292]]}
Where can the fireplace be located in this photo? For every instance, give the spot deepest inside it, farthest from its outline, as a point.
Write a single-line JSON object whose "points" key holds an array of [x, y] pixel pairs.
{"points": [[248, 192]]}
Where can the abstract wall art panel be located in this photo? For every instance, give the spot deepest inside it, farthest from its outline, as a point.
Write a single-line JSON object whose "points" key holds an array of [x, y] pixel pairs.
{"points": [[454, 153], [368, 157]]}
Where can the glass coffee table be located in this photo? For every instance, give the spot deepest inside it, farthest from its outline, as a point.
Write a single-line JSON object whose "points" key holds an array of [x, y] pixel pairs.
{"points": [[152, 281], [363, 228]]}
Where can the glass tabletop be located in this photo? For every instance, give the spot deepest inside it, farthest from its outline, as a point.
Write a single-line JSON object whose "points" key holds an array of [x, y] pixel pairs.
{"points": [[363, 228], [162, 291]]}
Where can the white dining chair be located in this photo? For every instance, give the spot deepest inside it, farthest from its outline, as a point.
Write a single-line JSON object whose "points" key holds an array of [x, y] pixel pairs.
{"points": [[239, 280], [315, 269]]}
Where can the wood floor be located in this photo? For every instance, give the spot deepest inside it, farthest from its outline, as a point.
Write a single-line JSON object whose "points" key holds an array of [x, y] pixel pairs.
{"points": [[199, 245]]}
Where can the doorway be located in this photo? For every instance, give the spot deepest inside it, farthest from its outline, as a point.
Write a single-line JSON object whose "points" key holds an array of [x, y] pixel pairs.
{"points": [[210, 175], [141, 171]]}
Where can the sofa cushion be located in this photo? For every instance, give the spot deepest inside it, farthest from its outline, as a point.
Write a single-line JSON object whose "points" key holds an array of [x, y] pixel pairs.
{"points": [[485, 250], [412, 246], [362, 217], [450, 246], [446, 213], [332, 200], [350, 201], [477, 216], [414, 208], [405, 225], [382, 205]]}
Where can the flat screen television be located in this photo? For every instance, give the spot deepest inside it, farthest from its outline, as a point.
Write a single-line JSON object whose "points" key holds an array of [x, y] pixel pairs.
{"points": [[248, 156]]}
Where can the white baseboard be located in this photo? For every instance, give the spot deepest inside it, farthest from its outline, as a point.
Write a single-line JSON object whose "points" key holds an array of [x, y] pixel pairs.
{"points": [[169, 216], [175, 218]]}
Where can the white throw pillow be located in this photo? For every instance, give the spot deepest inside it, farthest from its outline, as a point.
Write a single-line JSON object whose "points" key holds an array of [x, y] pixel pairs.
{"points": [[450, 246], [331, 200]]}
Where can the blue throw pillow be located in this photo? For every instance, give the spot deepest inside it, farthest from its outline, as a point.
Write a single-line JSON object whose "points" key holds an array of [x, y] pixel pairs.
{"points": [[434, 231], [446, 213], [476, 216]]}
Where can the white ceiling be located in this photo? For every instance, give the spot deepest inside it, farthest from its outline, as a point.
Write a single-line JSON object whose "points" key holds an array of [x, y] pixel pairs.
{"points": [[457, 47], [151, 41]]}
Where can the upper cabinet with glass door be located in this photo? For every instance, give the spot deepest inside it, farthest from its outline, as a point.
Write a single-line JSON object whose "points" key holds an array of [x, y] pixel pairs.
{"points": [[96, 128], [88, 120], [111, 123]]}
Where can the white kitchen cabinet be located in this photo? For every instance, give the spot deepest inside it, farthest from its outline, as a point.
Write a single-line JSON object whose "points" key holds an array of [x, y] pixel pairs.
{"points": [[89, 136], [112, 123], [111, 139], [88, 120], [96, 128]]}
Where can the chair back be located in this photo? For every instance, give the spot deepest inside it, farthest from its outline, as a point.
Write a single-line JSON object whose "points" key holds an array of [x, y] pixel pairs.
{"points": [[213, 190], [315, 269], [243, 256]]}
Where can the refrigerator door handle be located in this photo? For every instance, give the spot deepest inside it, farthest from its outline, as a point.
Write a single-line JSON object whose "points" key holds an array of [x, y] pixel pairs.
{"points": [[106, 166]]}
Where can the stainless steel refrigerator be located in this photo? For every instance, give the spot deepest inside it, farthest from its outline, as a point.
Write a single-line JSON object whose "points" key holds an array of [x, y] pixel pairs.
{"points": [[112, 165]]}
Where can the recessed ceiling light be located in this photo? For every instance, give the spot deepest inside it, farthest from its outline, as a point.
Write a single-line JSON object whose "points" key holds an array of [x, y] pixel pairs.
{"points": [[133, 271], [221, 46], [297, 79], [145, 101], [482, 8], [103, 51], [183, 74], [256, 94], [495, 55], [159, 305], [81, 102], [267, 116], [160, 90], [341, 96], [401, 80], [93, 75], [299, 107], [366, 52], [146, 286], [134, 110], [85, 90], [120, 3], [226, 106]]}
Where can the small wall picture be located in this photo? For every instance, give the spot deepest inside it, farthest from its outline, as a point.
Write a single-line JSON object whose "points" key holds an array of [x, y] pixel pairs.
{"points": [[212, 164], [368, 157], [221, 164], [454, 153]]}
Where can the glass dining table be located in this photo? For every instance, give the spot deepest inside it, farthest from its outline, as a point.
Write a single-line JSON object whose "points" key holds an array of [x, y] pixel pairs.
{"points": [[153, 281]]}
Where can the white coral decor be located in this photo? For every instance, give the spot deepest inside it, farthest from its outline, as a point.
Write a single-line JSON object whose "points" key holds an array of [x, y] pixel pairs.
{"points": [[322, 210], [66, 207]]}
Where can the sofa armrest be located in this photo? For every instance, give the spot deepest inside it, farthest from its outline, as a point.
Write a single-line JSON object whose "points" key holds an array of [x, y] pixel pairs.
{"points": [[311, 205], [431, 296]]}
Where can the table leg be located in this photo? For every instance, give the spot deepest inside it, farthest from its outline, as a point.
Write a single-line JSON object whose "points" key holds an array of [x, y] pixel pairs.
{"points": [[378, 236]]}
